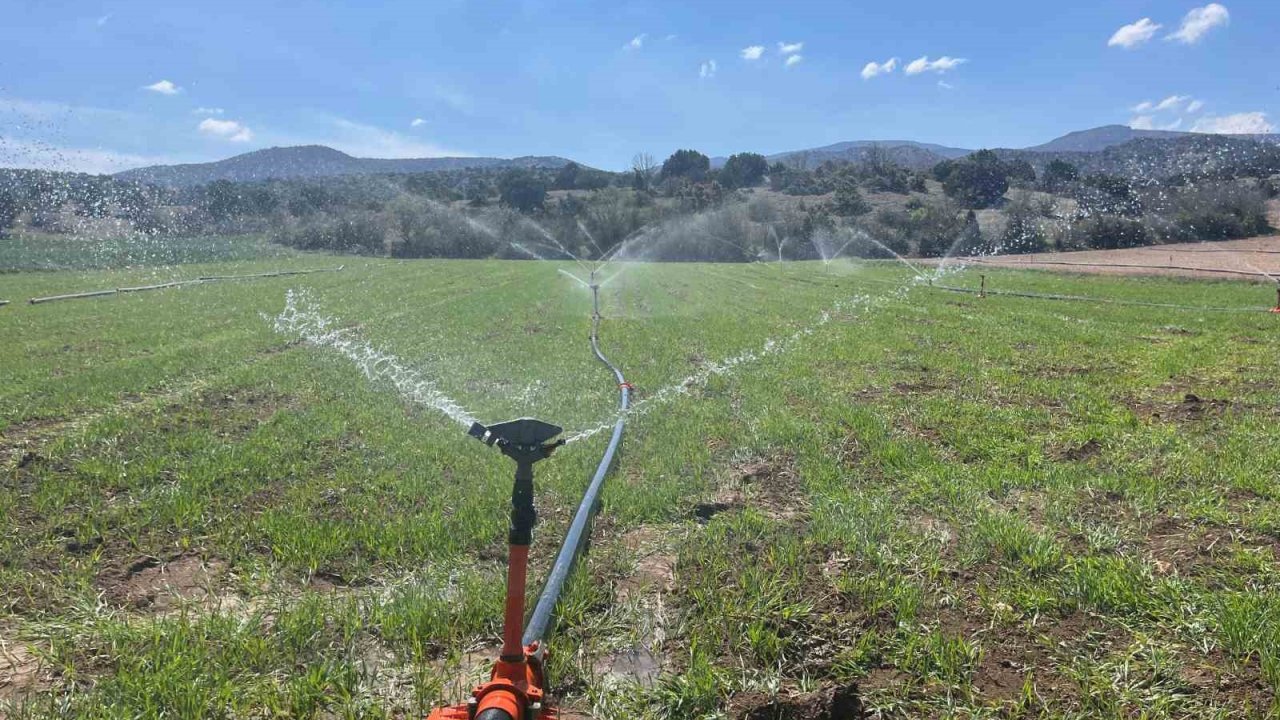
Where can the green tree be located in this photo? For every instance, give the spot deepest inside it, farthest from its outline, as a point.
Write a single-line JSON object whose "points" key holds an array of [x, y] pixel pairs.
{"points": [[978, 180], [687, 164], [567, 176], [743, 170], [848, 201], [1057, 174], [522, 190]]}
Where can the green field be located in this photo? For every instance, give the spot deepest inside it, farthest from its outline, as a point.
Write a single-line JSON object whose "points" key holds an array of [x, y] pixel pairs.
{"points": [[961, 507]]}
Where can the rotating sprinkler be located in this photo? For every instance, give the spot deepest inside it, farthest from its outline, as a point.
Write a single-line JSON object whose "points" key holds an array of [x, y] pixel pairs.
{"points": [[515, 687]]}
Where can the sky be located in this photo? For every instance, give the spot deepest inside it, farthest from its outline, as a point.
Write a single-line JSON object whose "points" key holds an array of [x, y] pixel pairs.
{"points": [[100, 87]]}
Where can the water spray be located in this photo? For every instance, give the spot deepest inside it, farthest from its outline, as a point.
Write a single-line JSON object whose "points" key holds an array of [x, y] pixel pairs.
{"points": [[515, 687]]}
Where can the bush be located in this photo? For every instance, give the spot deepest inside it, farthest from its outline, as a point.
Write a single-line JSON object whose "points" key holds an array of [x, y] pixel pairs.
{"points": [[522, 190], [743, 170], [1110, 232], [977, 181]]}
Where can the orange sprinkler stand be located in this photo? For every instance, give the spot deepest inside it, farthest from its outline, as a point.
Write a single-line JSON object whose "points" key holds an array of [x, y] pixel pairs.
{"points": [[1276, 309], [514, 692], [515, 687]]}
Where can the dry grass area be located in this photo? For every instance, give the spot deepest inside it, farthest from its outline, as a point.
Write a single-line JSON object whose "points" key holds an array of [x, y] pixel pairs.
{"points": [[1256, 258]]}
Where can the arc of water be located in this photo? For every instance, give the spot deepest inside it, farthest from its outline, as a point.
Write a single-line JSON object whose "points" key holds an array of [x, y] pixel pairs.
{"points": [[579, 280]]}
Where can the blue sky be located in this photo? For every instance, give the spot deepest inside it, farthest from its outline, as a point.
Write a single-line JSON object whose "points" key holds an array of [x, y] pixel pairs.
{"points": [[102, 86]]}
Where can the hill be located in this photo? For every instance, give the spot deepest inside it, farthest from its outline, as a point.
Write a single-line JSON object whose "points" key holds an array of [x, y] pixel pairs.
{"points": [[908, 153], [1101, 138], [311, 161]]}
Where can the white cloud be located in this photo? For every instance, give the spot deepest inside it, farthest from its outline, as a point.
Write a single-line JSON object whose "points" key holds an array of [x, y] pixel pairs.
{"points": [[794, 60], [873, 68], [1195, 106], [708, 69], [790, 48], [1199, 21], [1132, 35], [1148, 122], [363, 140], [671, 37], [164, 87], [97, 161], [103, 20], [1237, 124], [229, 130], [208, 111], [637, 42], [752, 52], [417, 122], [941, 65], [945, 85], [1173, 102]]}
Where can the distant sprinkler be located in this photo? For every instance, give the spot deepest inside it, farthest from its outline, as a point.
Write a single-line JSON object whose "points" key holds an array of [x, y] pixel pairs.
{"points": [[595, 297], [515, 688]]}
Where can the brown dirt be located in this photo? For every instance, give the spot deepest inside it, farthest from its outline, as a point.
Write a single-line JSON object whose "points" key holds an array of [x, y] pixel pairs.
{"points": [[1183, 548], [655, 563], [1245, 259], [21, 672], [149, 584], [832, 703]]}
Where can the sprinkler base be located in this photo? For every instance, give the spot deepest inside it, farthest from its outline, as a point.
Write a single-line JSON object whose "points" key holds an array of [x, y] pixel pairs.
{"points": [[514, 692]]}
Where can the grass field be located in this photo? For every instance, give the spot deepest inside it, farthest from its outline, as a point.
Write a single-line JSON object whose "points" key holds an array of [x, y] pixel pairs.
{"points": [[957, 507]]}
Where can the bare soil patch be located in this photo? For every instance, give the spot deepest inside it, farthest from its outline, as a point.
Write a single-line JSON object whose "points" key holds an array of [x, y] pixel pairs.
{"points": [[21, 671], [151, 584], [841, 702], [1248, 259]]}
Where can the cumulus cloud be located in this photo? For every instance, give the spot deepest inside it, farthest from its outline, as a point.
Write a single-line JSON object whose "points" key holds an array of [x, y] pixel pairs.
{"points": [[208, 111], [1173, 102], [873, 68], [363, 140], [941, 65], [1148, 122], [164, 87], [637, 42], [790, 48], [96, 161], [707, 69], [752, 52], [1199, 21], [794, 60], [417, 122], [1246, 123], [1134, 34], [229, 130], [1195, 106]]}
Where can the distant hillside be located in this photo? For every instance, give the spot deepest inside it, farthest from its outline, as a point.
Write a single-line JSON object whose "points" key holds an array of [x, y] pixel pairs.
{"points": [[908, 153], [1191, 154], [312, 161], [1101, 138]]}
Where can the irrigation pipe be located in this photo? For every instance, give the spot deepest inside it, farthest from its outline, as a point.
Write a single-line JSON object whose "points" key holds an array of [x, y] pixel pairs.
{"points": [[1105, 301], [1078, 298], [1187, 268], [540, 620], [175, 283], [3, 303]]}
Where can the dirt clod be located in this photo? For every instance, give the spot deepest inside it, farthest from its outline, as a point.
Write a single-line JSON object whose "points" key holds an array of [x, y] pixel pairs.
{"points": [[834, 703], [149, 583]]}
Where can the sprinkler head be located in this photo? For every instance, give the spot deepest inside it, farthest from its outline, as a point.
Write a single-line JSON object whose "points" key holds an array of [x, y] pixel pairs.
{"points": [[521, 436]]}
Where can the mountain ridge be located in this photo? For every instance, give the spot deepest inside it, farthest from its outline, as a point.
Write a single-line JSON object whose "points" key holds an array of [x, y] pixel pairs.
{"points": [[312, 161]]}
